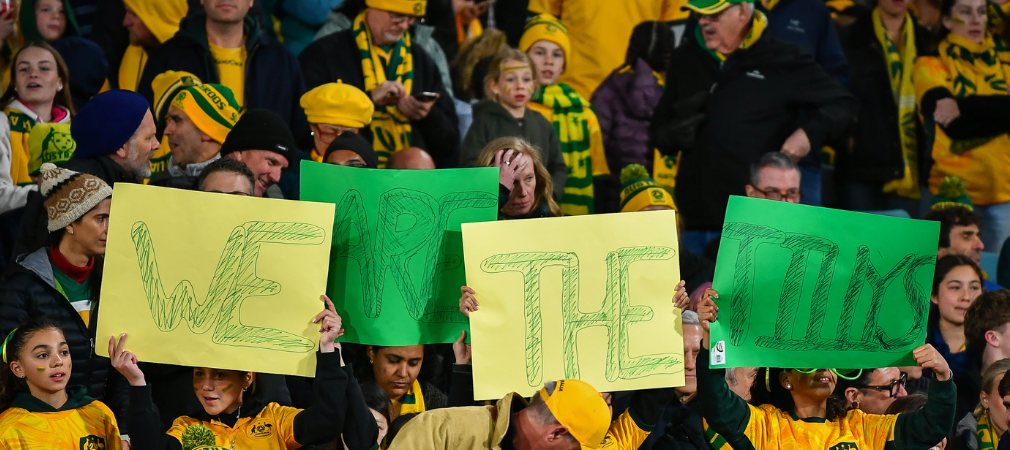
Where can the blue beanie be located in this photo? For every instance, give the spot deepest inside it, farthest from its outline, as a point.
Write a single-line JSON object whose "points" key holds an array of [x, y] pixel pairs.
{"points": [[107, 122]]}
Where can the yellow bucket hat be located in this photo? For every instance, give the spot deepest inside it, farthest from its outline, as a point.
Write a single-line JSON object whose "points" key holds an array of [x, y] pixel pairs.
{"points": [[581, 409], [211, 107], [407, 7], [338, 104], [545, 27]]}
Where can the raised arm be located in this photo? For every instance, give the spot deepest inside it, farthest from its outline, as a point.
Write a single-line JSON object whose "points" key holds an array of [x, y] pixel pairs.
{"points": [[726, 413]]}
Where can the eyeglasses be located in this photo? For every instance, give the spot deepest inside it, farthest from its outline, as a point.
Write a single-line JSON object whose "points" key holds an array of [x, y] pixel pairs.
{"points": [[893, 387], [845, 374], [400, 19], [775, 194]]}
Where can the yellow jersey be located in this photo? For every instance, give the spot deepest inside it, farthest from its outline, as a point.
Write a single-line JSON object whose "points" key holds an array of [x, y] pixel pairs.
{"points": [[82, 423]]}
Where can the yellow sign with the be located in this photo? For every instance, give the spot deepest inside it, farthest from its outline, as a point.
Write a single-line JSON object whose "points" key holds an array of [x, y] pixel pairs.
{"points": [[587, 297], [214, 280]]}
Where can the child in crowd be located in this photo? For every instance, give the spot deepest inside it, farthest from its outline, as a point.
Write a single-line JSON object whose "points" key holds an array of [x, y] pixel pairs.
{"points": [[546, 42], [236, 417], [380, 406], [509, 85], [40, 411]]}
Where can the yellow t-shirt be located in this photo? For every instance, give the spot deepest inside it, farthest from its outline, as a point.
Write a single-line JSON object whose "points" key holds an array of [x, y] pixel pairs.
{"points": [[91, 426], [271, 429], [770, 427], [624, 434], [231, 69]]}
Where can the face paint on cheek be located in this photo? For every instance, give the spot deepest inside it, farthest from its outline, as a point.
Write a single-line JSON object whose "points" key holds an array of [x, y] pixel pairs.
{"points": [[41, 368], [958, 20], [228, 388]]}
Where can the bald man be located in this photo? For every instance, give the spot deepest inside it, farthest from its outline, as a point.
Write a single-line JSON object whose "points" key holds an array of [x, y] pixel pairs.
{"points": [[411, 158]]}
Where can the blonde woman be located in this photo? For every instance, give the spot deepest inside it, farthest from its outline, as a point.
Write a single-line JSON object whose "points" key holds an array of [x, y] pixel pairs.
{"points": [[525, 186]]}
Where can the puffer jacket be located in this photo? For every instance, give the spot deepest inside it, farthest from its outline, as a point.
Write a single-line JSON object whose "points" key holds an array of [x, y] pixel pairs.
{"points": [[28, 289], [624, 103], [965, 437]]}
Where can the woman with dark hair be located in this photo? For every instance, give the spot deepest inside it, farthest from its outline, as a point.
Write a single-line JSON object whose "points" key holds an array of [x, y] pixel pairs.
{"points": [[956, 284], [396, 370], [963, 103], [624, 103], [793, 408], [39, 92], [381, 407]]}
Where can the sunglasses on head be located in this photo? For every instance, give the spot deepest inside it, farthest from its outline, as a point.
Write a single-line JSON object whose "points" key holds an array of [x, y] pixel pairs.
{"points": [[845, 374]]}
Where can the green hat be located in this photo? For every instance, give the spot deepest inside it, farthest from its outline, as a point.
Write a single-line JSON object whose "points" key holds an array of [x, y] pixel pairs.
{"points": [[49, 143], [640, 191], [952, 192], [709, 7]]}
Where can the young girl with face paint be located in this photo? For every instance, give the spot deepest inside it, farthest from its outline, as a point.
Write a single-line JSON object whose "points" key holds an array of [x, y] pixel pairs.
{"points": [[510, 84], [236, 417], [546, 41], [41, 412]]}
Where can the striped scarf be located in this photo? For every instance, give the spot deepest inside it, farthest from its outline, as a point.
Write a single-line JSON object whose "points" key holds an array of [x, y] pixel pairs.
{"points": [[413, 400], [987, 440], [976, 70], [899, 68], [391, 130], [581, 139]]}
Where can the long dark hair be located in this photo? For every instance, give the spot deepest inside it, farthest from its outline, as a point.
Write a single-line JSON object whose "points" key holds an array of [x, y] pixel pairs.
{"points": [[62, 97], [10, 384], [948, 263], [767, 390]]}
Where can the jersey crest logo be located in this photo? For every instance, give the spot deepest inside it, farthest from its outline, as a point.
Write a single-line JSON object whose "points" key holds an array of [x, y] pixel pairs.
{"points": [[92, 442], [845, 446], [261, 429]]}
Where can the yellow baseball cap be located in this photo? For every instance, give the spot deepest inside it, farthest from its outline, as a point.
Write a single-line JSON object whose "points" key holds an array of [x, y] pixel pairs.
{"points": [[581, 409]]}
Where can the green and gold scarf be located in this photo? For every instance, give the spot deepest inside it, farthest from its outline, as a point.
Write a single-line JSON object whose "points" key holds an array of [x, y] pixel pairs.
{"points": [[758, 25], [391, 130], [976, 70], [987, 440], [581, 141], [899, 68]]}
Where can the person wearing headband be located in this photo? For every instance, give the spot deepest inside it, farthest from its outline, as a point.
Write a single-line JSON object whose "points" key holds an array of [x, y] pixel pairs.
{"points": [[793, 408], [39, 409]]}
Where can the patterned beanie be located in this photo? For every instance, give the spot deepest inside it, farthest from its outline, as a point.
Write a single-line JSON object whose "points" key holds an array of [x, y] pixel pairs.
{"points": [[640, 191], [211, 107], [70, 195]]}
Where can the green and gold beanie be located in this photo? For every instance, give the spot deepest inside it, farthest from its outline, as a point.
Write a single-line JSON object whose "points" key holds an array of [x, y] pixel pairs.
{"points": [[952, 193], [640, 191]]}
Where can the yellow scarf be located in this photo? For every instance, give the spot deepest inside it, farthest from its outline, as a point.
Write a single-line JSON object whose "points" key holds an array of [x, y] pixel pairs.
{"points": [[987, 440], [976, 70], [758, 25], [899, 68], [413, 400], [391, 130]]}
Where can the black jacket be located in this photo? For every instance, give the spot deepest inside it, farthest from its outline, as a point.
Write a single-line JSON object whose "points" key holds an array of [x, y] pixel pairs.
{"points": [[756, 100], [34, 231], [273, 79], [876, 155], [681, 428], [336, 57], [28, 289]]}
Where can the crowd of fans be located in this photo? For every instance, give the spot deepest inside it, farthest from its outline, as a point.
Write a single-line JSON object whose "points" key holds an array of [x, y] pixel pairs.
{"points": [[891, 107]]}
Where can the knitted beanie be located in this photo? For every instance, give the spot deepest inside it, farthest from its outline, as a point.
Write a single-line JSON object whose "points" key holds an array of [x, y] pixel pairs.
{"points": [[407, 7], [260, 129], [338, 104], [166, 86], [952, 192], [357, 144], [639, 191], [545, 27], [211, 107], [70, 195], [108, 122], [49, 143]]}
